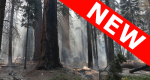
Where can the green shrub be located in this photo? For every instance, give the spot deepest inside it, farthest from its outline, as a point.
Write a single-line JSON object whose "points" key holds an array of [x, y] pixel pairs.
{"points": [[115, 67]]}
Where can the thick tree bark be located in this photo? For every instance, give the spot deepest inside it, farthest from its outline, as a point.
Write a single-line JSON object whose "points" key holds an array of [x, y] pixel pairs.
{"points": [[65, 35], [37, 32], [49, 57], [2, 11], [10, 35], [90, 59]]}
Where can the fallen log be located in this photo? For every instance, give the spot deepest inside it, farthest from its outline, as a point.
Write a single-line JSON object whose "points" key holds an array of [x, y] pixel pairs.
{"points": [[132, 64], [135, 64], [140, 68]]}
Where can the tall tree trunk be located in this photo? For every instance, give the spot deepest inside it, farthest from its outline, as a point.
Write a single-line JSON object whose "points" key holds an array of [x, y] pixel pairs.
{"points": [[26, 42], [2, 11], [110, 43], [106, 47], [106, 41], [132, 21], [90, 59], [26, 47], [94, 45], [93, 41], [49, 57], [65, 35], [37, 32], [10, 35], [96, 51], [111, 50]]}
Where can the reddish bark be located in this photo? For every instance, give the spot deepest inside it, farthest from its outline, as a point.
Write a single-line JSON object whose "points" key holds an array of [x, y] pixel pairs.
{"points": [[37, 32], [49, 57]]}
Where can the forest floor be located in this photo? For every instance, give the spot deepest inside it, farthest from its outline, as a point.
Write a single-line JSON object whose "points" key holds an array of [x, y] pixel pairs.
{"points": [[17, 72], [70, 73]]}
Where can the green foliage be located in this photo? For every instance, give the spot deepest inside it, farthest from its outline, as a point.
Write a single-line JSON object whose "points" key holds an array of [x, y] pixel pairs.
{"points": [[146, 77], [131, 11], [65, 77], [62, 8], [30, 13], [115, 67], [65, 10]]}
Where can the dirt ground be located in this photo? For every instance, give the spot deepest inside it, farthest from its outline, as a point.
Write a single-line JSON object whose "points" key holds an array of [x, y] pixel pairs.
{"points": [[16, 72], [72, 73]]}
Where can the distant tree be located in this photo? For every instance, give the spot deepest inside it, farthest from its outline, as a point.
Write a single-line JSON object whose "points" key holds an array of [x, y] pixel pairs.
{"points": [[15, 5], [10, 34], [49, 57], [90, 58], [131, 11], [29, 18], [96, 48], [65, 34], [2, 12], [94, 45], [110, 44]]}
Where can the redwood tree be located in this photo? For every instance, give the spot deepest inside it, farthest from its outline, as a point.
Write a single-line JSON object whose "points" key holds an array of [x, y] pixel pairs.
{"points": [[37, 32], [49, 57], [2, 11]]}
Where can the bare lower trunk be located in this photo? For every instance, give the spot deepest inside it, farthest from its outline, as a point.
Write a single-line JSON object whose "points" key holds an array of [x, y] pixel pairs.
{"points": [[96, 52], [26, 48], [111, 50], [90, 59], [10, 35], [110, 43], [26, 43], [106, 47], [2, 11], [37, 33], [49, 57]]}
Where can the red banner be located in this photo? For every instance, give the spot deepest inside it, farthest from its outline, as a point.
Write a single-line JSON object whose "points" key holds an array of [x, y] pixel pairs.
{"points": [[114, 25]]}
